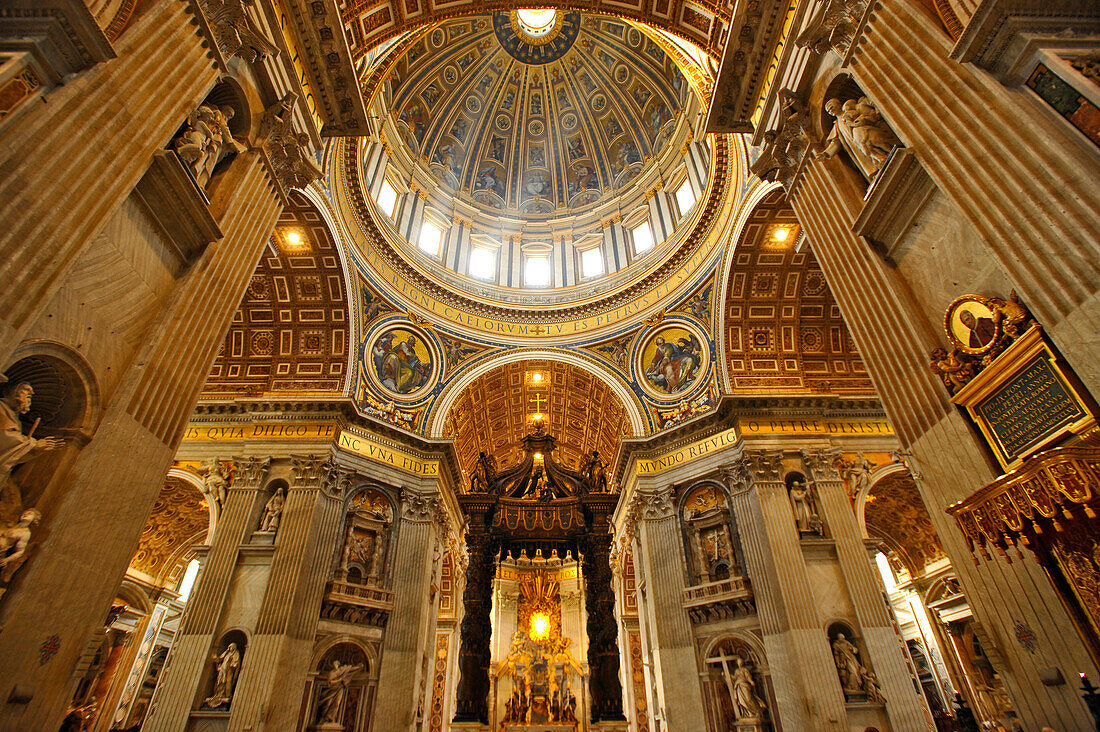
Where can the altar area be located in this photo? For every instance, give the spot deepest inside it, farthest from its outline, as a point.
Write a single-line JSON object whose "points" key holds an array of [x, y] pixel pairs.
{"points": [[538, 632]]}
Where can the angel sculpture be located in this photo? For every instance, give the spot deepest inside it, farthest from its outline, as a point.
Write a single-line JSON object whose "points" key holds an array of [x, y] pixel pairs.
{"points": [[955, 371], [1013, 317]]}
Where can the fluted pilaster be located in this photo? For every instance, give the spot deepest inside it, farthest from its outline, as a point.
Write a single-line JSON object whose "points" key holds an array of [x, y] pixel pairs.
{"points": [[70, 162]]}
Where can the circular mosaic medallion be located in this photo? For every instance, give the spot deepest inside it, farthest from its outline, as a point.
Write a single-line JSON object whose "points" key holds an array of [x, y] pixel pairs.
{"points": [[504, 122], [399, 361], [535, 127], [569, 121], [450, 74], [673, 360], [473, 104], [599, 102]]}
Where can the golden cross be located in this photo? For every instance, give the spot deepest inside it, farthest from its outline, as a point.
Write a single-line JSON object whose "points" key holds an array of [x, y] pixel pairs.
{"points": [[538, 400], [538, 330]]}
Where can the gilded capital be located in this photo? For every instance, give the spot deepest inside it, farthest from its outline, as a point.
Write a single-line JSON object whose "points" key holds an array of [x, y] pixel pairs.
{"points": [[824, 463], [249, 472], [652, 505], [308, 470], [422, 507], [766, 465]]}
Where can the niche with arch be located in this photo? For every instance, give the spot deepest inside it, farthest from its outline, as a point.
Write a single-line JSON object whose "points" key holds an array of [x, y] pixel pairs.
{"points": [[267, 528], [855, 127], [222, 672], [340, 690], [368, 531], [732, 703], [63, 405], [852, 666], [713, 548]]}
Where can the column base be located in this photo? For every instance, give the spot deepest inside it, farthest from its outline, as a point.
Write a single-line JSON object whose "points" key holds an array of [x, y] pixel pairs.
{"points": [[613, 726], [470, 727]]}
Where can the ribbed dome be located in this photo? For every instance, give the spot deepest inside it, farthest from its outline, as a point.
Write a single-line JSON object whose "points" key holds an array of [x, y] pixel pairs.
{"points": [[539, 119]]}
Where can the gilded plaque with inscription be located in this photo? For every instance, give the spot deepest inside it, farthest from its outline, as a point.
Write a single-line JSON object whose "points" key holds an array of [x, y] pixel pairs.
{"points": [[1024, 401]]}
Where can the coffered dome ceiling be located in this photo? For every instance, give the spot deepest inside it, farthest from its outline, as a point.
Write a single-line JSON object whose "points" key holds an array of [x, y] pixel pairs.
{"points": [[546, 117]]}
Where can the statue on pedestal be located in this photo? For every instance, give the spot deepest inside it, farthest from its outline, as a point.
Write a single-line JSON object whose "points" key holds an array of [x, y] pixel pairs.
{"points": [[750, 707], [596, 471], [226, 668], [273, 511], [206, 141], [334, 693]]}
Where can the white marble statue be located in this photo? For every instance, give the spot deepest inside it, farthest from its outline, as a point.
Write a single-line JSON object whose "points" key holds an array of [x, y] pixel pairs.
{"points": [[16, 447], [215, 480], [334, 693], [861, 130], [207, 141], [273, 511], [750, 707], [848, 667], [14, 540], [858, 474], [226, 668], [805, 511]]}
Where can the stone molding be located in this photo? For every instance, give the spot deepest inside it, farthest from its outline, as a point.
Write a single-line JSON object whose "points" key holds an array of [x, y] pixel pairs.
{"points": [[178, 205], [1003, 35], [897, 195], [62, 36]]}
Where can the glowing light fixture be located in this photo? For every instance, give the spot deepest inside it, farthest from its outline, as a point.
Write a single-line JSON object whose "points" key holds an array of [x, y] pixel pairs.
{"points": [[294, 237], [536, 377], [539, 627], [782, 233]]}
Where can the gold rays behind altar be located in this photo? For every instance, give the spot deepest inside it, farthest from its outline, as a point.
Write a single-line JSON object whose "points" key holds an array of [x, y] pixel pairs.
{"points": [[539, 683]]}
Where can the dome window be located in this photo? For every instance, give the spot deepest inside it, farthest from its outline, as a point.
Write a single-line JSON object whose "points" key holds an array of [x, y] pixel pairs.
{"points": [[431, 238], [536, 271], [642, 235], [685, 198], [591, 262], [387, 198], [483, 263]]}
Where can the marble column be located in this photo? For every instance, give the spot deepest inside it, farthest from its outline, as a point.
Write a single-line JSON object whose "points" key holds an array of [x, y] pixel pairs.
{"points": [[670, 637], [905, 706], [283, 640], [195, 640], [807, 690], [71, 161], [894, 341], [407, 630], [116, 478]]}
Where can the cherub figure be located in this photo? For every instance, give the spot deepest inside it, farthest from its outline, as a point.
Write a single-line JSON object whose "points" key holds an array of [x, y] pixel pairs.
{"points": [[952, 368]]}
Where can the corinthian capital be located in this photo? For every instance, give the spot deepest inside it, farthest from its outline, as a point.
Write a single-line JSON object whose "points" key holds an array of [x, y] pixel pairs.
{"points": [[422, 507], [287, 151], [250, 471], [737, 475], [652, 505], [335, 479], [308, 470], [824, 463], [766, 465]]}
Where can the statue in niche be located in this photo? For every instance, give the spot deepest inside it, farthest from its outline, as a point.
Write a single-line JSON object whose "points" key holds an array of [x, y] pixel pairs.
{"points": [[273, 511], [226, 668], [215, 480], [206, 141], [860, 129], [848, 667], [16, 447], [750, 707], [805, 509], [870, 686], [14, 541], [334, 693]]}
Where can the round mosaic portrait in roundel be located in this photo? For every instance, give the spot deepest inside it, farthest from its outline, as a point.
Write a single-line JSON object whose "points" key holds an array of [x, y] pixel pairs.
{"points": [[401, 362], [971, 324], [672, 361]]}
